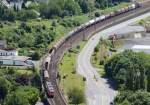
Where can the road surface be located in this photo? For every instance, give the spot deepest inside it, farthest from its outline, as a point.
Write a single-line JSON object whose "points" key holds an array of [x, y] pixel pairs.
{"points": [[99, 92]]}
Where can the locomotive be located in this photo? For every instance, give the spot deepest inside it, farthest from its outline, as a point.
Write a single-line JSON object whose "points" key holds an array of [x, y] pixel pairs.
{"points": [[50, 89]]}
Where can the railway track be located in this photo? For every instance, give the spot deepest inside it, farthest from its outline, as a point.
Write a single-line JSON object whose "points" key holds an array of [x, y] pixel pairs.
{"points": [[79, 36]]}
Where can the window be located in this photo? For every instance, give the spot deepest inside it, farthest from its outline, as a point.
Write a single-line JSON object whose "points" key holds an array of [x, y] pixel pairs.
{"points": [[1, 62], [13, 62]]}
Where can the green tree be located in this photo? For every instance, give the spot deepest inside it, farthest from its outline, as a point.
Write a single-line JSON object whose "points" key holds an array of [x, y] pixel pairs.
{"points": [[133, 98], [23, 95], [86, 5], [4, 87], [128, 69], [76, 96], [72, 7]]}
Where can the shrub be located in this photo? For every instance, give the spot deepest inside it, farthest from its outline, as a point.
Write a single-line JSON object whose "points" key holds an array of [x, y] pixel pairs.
{"points": [[76, 96], [97, 14]]}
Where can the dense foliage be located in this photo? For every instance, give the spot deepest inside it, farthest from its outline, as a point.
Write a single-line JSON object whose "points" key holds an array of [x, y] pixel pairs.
{"points": [[133, 98], [76, 96], [56, 8], [11, 15], [18, 87], [23, 95], [33, 37], [74, 7], [131, 71]]}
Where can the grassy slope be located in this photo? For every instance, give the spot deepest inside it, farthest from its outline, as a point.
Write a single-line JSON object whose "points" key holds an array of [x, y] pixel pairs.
{"points": [[95, 60], [67, 67]]}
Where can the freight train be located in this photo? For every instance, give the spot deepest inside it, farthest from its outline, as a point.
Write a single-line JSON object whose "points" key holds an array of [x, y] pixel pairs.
{"points": [[48, 85], [96, 20], [46, 78]]}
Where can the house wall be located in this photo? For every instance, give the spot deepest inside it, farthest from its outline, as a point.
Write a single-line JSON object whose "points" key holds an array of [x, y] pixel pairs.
{"points": [[9, 53], [12, 62], [19, 63]]}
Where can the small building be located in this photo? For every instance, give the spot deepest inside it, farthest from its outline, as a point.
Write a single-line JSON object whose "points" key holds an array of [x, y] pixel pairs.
{"points": [[15, 61], [8, 52]]}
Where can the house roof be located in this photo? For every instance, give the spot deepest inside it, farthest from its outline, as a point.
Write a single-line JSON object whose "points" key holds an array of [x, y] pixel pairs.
{"points": [[17, 58], [7, 49], [128, 30]]}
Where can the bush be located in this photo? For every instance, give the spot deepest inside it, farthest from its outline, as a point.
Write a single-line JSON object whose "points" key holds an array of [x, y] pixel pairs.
{"points": [[23, 95], [26, 14], [35, 56], [97, 14], [76, 96], [96, 49], [101, 62], [1, 25]]}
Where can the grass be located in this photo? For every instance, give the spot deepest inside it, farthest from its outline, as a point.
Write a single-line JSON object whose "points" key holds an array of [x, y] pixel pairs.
{"points": [[95, 60], [143, 22], [22, 71], [102, 54], [69, 78]]}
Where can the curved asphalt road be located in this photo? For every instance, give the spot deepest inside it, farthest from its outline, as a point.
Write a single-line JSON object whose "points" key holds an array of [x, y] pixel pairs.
{"points": [[98, 92]]}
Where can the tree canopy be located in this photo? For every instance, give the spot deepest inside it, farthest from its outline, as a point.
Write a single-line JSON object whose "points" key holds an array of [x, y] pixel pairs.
{"points": [[128, 68], [131, 70], [23, 95]]}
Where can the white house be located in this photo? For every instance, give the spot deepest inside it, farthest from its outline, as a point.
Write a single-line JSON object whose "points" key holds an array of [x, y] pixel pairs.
{"points": [[8, 52], [16, 61], [9, 57]]}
